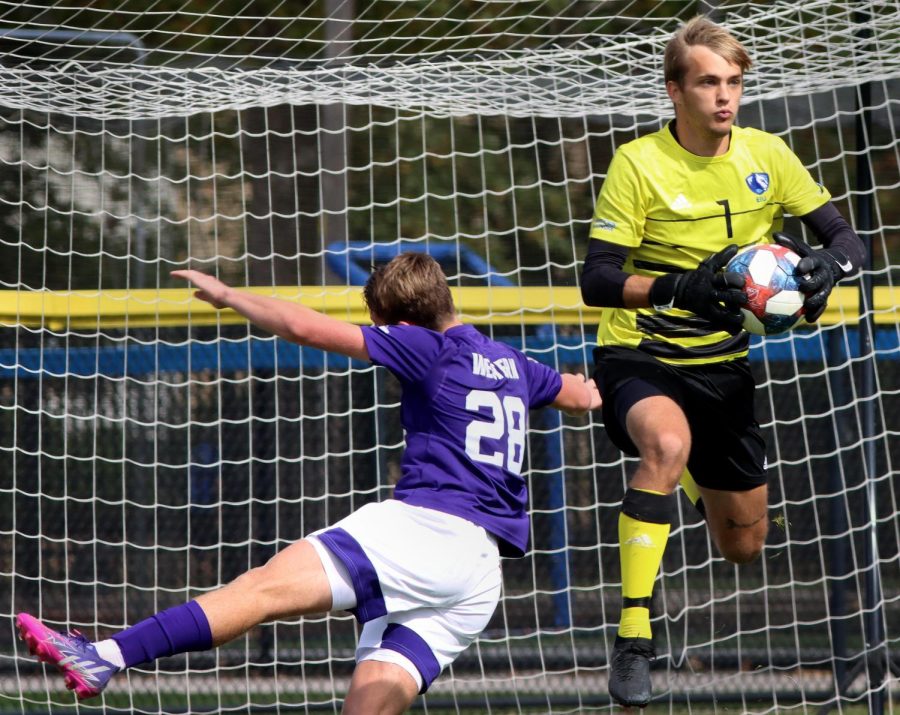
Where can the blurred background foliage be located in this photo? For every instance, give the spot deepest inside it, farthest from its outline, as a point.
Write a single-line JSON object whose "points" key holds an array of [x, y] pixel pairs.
{"points": [[260, 194]]}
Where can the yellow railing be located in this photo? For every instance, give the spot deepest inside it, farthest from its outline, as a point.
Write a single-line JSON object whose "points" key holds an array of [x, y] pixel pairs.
{"points": [[79, 310]]}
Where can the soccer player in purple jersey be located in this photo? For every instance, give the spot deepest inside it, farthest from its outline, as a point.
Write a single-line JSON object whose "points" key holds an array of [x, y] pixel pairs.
{"points": [[421, 571]]}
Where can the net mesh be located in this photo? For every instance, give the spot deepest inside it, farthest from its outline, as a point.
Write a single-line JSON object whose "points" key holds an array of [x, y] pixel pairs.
{"points": [[509, 61], [151, 450]]}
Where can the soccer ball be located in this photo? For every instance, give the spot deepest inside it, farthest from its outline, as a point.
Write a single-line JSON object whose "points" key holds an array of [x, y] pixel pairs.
{"points": [[774, 300]]}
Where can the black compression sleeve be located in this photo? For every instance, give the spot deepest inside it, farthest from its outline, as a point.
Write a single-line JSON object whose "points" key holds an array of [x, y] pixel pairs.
{"points": [[602, 277], [837, 236]]}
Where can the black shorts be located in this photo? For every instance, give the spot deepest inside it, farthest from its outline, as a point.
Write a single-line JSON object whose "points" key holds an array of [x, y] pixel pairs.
{"points": [[727, 448]]}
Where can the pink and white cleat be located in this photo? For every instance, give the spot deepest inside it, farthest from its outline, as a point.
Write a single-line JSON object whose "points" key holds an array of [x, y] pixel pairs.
{"points": [[85, 671]]}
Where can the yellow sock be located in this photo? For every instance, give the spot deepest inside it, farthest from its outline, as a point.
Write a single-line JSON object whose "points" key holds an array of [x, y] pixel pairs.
{"points": [[635, 623], [641, 547], [692, 491], [689, 486]]}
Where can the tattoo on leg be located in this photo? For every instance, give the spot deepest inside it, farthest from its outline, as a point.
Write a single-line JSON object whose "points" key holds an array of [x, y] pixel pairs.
{"points": [[732, 524]]}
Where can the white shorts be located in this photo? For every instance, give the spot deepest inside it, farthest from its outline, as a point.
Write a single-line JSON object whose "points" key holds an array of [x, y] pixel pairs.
{"points": [[423, 583]]}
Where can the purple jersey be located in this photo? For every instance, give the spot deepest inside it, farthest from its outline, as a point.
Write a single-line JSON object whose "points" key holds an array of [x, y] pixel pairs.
{"points": [[465, 411]]}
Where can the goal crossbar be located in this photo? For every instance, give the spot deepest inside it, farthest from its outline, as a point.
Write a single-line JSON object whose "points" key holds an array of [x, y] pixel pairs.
{"points": [[166, 307]]}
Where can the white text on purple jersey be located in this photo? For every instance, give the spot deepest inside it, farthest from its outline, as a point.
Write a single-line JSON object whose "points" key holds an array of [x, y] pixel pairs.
{"points": [[495, 369]]}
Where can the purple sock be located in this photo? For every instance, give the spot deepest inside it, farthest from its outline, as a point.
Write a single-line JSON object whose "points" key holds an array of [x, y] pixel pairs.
{"points": [[176, 630]]}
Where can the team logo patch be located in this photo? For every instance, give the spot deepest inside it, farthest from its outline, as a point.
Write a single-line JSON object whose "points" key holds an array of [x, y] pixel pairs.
{"points": [[758, 182], [604, 224]]}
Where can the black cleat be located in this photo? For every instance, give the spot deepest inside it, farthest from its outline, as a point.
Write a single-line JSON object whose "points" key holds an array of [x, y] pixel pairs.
{"points": [[629, 671]]}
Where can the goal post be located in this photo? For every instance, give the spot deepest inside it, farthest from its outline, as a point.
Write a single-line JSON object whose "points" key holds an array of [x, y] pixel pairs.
{"points": [[152, 448]]}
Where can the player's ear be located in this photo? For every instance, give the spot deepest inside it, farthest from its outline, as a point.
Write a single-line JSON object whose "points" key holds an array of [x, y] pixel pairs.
{"points": [[674, 91]]}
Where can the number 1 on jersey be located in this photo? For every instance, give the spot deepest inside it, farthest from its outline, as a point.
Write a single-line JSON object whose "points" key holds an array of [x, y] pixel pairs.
{"points": [[725, 205]]}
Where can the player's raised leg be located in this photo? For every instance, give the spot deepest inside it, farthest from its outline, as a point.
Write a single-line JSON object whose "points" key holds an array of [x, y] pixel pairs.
{"points": [[738, 521], [291, 583]]}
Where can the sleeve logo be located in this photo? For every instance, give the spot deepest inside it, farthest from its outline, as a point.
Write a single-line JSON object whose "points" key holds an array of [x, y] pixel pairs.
{"points": [[604, 224], [758, 182]]}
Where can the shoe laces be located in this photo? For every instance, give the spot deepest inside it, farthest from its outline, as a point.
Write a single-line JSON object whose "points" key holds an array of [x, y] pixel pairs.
{"points": [[79, 639]]}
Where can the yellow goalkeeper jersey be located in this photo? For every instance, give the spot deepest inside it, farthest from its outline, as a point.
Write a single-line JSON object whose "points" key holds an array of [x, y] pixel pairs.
{"points": [[672, 209]]}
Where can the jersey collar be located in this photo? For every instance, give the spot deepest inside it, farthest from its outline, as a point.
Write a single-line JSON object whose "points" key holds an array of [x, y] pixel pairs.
{"points": [[671, 141]]}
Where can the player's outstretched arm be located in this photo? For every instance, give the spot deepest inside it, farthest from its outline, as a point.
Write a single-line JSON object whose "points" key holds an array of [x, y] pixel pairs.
{"points": [[291, 321], [577, 395]]}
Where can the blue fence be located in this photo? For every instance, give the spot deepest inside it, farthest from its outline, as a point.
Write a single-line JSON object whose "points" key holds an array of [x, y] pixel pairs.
{"points": [[226, 356]]}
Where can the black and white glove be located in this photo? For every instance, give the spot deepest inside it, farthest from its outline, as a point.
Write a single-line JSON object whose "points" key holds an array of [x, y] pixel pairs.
{"points": [[706, 291], [818, 271]]}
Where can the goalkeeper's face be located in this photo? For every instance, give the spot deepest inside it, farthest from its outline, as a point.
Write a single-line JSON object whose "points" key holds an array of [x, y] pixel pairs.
{"points": [[707, 98]]}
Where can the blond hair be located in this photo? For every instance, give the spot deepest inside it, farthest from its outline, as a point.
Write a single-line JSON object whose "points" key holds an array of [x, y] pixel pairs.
{"points": [[410, 288], [704, 32]]}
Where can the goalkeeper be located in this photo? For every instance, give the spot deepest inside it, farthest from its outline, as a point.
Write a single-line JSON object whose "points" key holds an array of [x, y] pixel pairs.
{"points": [[671, 361], [421, 571]]}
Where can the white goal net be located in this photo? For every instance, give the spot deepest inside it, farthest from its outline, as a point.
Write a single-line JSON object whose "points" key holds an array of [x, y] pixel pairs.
{"points": [[151, 450]]}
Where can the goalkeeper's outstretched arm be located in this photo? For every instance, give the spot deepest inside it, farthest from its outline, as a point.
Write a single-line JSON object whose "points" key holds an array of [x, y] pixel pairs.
{"points": [[291, 321]]}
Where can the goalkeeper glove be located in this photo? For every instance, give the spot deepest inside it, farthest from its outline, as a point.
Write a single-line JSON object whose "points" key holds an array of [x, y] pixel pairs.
{"points": [[705, 291], [818, 271]]}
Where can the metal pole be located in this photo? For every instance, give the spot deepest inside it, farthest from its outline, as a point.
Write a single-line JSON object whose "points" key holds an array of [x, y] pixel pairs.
{"points": [[875, 651], [840, 533], [339, 15], [88, 37], [556, 506]]}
